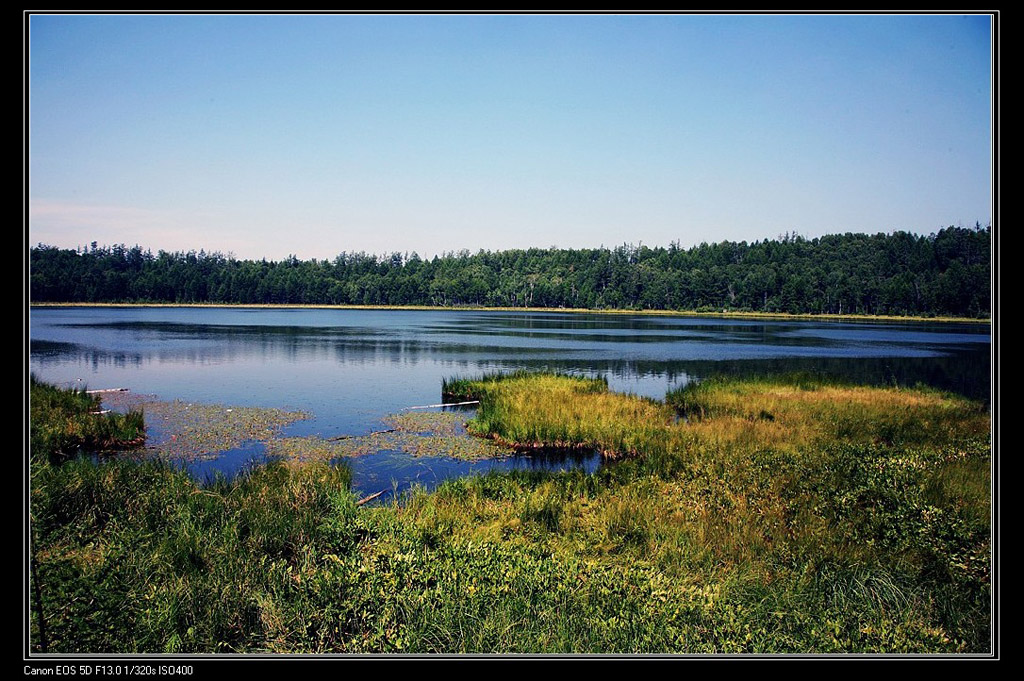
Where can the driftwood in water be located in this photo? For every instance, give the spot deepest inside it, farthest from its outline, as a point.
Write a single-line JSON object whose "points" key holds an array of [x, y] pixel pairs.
{"points": [[446, 404], [370, 498]]}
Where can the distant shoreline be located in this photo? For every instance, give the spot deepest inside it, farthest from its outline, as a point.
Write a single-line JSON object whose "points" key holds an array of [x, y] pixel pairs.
{"points": [[473, 308]]}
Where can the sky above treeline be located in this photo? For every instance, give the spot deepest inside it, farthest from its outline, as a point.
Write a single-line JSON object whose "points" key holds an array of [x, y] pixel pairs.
{"points": [[271, 135]]}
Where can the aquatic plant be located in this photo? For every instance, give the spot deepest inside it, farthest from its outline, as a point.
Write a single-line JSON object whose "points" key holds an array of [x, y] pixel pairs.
{"points": [[435, 433], [195, 430]]}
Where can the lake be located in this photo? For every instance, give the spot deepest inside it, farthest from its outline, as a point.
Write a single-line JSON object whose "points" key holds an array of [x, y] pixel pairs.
{"points": [[351, 368]]}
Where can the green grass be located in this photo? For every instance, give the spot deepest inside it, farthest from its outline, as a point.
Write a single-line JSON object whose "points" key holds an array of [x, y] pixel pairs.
{"points": [[65, 421], [134, 557], [561, 411], [852, 519], [466, 388]]}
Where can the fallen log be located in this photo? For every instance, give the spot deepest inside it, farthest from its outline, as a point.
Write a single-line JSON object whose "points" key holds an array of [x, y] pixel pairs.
{"points": [[370, 498]]}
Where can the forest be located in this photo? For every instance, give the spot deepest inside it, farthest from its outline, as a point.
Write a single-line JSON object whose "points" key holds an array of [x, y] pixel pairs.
{"points": [[947, 273]]}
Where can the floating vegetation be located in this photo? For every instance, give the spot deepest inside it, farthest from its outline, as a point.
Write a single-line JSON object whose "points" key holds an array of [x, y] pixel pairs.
{"points": [[441, 433], [437, 422], [316, 449], [192, 431], [415, 434], [462, 446]]}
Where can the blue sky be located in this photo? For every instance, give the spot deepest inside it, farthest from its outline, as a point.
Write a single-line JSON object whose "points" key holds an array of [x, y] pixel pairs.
{"points": [[272, 135]]}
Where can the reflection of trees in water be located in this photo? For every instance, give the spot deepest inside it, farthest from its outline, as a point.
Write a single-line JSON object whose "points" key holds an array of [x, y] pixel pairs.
{"points": [[965, 371], [47, 353]]}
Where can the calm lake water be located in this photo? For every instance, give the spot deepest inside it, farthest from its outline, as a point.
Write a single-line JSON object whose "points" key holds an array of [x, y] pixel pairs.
{"points": [[350, 368]]}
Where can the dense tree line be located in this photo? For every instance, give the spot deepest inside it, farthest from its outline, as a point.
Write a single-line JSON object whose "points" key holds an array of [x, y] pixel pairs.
{"points": [[946, 273]]}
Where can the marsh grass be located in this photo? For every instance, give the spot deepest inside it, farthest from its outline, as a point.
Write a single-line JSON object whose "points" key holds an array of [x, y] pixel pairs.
{"points": [[530, 411], [65, 421], [464, 388], [772, 478], [853, 520]]}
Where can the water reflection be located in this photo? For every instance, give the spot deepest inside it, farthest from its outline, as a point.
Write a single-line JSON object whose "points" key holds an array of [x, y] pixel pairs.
{"points": [[350, 368]]}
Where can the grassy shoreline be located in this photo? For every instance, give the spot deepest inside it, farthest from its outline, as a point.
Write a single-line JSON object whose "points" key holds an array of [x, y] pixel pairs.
{"points": [[470, 308], [775, 515], [65, 421]]}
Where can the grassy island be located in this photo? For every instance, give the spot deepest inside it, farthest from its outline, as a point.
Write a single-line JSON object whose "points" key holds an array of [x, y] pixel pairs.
{"points": [[772, 515]]}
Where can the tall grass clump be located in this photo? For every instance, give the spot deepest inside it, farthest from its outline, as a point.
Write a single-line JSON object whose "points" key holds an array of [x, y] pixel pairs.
{"points": [[64, 421], [534, 411], [465, 388]]}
